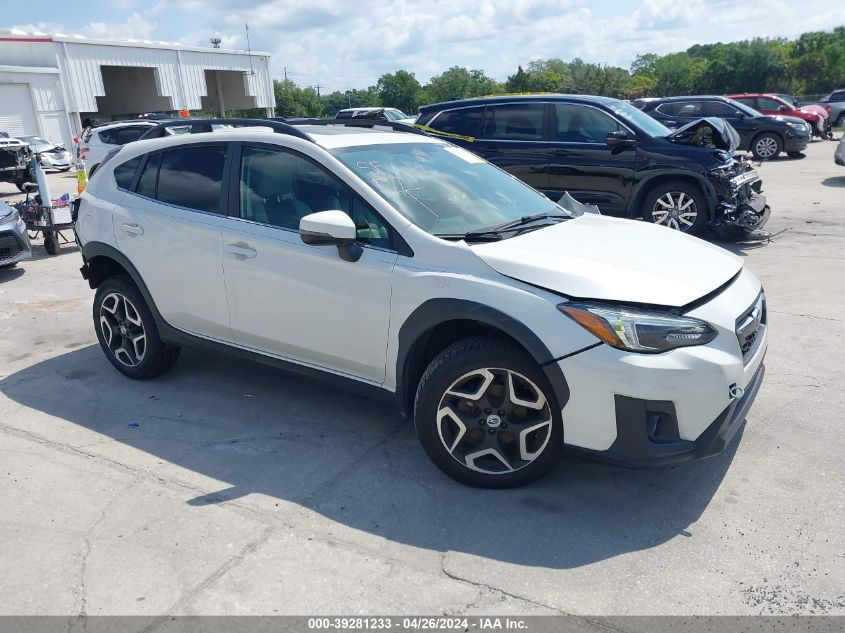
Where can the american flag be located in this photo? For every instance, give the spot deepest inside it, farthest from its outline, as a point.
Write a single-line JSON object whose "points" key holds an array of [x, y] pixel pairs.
{"points": [[58, 203]]}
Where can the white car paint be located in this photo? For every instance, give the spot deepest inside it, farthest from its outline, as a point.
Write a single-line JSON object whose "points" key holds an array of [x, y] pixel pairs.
{"points": [[839, 153], [94, 147], [606, 258], [204, 280]]}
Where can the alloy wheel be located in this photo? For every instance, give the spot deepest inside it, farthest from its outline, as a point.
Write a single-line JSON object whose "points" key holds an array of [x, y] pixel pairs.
{"points": [[494, 421], [675, 209], [122, 329], [766, 147]]}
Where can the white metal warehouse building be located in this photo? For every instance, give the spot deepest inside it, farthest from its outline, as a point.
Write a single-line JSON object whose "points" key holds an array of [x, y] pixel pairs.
{"points": [[51, 84]]}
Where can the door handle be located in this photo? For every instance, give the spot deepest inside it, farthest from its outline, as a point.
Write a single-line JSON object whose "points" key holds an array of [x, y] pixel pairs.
{"points": [[133, 229], [241, 251], [561, 152]]}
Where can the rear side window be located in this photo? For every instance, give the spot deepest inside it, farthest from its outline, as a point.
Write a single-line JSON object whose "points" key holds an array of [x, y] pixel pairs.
{"points": [[691, 109], [517, 122], [192, 177], [122, 135], [463, 122], [343, 114], [149, 176], [124, 174], [719, 109], [751, 102]]}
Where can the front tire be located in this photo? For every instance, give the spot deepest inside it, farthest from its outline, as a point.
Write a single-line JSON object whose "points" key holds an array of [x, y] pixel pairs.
{"points": [[487, 416], [678, 205], [766, 146], [127, 331]]}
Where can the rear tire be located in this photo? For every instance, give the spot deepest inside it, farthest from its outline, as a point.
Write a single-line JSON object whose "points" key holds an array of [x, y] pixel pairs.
{"points": [[678, 205], [487, 416], [127, 331], [766, 146]]}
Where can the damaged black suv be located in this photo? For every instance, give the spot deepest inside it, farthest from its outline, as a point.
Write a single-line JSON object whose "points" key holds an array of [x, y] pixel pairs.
{"points": [[607, 152]]}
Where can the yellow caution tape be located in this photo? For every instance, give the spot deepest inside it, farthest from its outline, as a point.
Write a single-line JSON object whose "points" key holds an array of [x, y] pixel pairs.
{"points": [[468, 139]]}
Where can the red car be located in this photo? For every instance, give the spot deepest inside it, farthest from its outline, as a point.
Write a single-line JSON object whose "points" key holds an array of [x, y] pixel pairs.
{"points": [[775, 104]]}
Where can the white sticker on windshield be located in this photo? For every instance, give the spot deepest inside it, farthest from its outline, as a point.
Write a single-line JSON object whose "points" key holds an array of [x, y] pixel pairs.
{"points": [[463, 154]]}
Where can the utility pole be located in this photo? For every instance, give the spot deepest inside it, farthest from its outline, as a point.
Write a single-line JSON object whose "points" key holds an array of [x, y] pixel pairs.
{"points": [[318, 86]]}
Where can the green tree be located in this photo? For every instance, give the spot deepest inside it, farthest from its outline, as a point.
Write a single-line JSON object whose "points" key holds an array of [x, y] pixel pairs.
{"points": [[294, 100], [399, 90], [459, 83]]}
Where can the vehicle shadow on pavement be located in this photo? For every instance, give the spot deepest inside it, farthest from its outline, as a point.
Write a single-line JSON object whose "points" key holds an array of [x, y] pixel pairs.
{"points": [[8, 273], [351, 459], [834, 181]]}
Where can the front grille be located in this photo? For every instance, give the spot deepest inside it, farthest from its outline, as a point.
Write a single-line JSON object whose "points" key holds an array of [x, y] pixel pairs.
{"points": [[750, 327], [9, 247]]}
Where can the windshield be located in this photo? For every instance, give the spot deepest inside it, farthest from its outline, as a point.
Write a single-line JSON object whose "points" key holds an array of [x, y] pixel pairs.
{"points": [[443, 189], [748, 110], [640, 119]]}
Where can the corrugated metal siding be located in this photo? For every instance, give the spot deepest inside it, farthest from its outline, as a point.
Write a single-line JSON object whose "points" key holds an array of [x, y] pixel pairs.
{"points": [[46, 92], [28, 54], [179, 73], [258, 84], [85, 80]]}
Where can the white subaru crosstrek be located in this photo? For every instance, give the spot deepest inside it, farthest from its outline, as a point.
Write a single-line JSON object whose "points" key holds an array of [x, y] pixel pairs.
{"points": [[503, 325]]}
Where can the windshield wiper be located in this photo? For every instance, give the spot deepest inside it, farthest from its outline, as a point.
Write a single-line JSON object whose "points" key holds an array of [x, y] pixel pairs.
{"points": [[498, 229]]}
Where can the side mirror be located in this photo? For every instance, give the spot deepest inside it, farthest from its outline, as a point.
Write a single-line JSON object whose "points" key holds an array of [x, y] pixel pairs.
{"points": [[620, 138], [783, 108], [29, 187], [331, 227]]}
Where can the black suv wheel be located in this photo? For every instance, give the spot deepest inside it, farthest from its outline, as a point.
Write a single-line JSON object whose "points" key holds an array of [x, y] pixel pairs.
{"points": [[486, 415], [127, 331], [678, 205]]}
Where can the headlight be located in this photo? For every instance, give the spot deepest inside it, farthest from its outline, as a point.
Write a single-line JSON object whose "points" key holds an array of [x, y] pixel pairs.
{"points": [[637, 330], [8, 214]]}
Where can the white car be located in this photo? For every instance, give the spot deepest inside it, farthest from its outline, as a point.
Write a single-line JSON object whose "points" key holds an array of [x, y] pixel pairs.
{"points": [[391, 114], [50, 155], [504, 326], [839, 154], [98, 141]]}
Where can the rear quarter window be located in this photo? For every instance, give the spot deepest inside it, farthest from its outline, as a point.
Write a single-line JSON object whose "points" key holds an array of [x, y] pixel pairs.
{"points": [[124, 174], [513, 121], [463, 121]]}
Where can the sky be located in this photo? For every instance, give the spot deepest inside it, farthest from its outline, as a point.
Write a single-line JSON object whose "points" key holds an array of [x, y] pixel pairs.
{"points": [[342, 45]]}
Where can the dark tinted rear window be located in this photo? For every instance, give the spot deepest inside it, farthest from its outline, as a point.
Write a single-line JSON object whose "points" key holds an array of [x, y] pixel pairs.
{"points": [[343, 115], [720, 109], [125, 173], [516, 121], [147, 182], [463, 121], [192, 177], [122, 135]]}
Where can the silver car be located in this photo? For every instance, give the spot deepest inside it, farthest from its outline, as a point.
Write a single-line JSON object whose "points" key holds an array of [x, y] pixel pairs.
{"points": [[839, 154], [14, 241], [51, 155]]}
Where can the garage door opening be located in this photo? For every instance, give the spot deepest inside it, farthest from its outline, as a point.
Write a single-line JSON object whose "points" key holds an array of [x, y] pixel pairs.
{"points": [[226, 91], [130, 91]]}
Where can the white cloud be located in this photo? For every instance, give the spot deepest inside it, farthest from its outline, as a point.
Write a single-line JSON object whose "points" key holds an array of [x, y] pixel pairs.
{"points": [[343, 45]]}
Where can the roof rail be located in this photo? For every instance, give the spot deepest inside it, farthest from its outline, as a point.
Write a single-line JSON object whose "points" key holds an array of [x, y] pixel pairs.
{"points": [[199, 126], [365, 123]]}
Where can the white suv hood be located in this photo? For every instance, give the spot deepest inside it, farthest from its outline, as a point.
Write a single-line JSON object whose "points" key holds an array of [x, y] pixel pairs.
{"points": [[595, 257]]}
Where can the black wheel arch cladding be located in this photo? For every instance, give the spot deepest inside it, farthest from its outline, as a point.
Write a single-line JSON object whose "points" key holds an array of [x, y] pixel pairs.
{"points": [[417, 328]]}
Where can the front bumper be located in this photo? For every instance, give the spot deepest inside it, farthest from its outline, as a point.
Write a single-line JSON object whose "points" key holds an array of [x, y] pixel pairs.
{"points": [[56, 161], [654, 409], [796, 143], [14, 243]]}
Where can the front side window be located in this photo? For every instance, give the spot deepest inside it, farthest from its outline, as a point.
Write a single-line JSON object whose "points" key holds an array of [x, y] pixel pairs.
{"points": [[463, 122], [192, 177], [443, 189], [582, 124], [512, 122], [279, 188]]}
